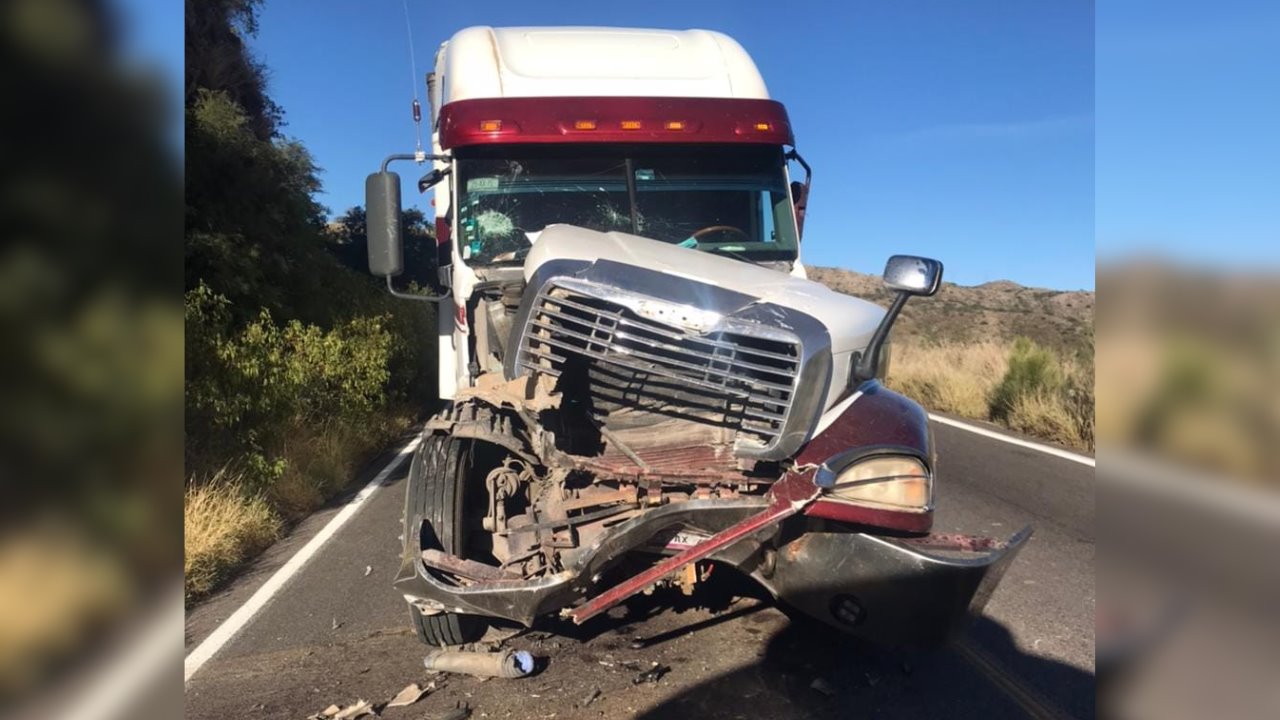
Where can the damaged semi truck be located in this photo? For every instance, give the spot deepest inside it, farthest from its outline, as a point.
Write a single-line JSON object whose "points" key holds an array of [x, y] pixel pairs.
{"points": [[636, 373]]}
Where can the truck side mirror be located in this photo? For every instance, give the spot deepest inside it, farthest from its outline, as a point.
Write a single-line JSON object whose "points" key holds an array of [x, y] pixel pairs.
{"points": [[382, 218], [910, 276], [913, 275]]}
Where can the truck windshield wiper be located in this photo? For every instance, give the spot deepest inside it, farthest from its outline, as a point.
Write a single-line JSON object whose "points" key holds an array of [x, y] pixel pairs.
{"points": [[731, 253]]}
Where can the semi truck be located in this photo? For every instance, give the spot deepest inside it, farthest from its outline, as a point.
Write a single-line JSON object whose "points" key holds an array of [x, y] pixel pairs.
{"points": [[638, 382]]}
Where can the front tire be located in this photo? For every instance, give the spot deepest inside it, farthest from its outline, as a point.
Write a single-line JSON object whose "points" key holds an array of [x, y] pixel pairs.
{"points": [[438, 480]]}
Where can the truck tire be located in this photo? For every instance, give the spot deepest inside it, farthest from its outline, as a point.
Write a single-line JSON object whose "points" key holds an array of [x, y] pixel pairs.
{"points": [[436, 490]]}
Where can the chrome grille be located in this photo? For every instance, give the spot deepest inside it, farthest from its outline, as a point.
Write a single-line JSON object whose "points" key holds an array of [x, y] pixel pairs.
{"points": [[738, 380]]}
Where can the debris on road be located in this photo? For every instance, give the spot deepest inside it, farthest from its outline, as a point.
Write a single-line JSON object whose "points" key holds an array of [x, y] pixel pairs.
{"points": [[822, 686], [652, 675], [506, 664], [368, 569], [336, 624], [461, 712], [595, 693], [360, 709], [333, 712], [411, 694]]}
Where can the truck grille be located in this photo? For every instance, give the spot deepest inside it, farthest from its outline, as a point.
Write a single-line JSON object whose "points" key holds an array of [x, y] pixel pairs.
{"points": [[739, 381]]}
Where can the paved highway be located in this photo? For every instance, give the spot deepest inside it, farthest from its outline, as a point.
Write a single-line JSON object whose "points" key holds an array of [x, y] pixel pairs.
{"points": [[335, 632]]}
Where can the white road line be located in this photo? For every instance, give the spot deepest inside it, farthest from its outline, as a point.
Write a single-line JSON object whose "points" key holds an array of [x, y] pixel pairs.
{"points": [[241, 617], [1064, 454]]}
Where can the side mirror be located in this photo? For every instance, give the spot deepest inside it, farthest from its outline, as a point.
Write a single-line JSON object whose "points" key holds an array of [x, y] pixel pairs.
{"points": [[913, 275], [382, 218]]}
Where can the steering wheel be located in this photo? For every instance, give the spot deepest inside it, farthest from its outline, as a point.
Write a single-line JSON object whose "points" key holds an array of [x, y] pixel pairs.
{"points": [[720, 228]]}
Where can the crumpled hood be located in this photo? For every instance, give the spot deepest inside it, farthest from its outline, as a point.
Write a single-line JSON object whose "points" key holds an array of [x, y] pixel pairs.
{"points": [[849, 320]]}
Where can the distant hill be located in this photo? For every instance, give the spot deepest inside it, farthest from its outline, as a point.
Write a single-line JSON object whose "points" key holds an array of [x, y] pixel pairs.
{"points": [[999, 310]]}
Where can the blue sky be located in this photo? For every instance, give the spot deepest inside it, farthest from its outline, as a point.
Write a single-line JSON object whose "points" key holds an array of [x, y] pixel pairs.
{"points": [[1187, 141], [961, 131]]}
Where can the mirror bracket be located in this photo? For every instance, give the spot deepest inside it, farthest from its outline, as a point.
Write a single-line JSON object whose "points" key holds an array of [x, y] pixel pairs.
{"points": [[410, 296], [897, 273]]}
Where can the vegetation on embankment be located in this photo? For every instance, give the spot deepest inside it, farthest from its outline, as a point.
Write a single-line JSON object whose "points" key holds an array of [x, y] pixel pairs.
{"points": [[1021, 385], [299, 366], [1021, 357]]}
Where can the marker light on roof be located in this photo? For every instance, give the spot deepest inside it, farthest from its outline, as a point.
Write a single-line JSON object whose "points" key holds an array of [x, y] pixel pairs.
{"points": [[490, 125], [629, 124], [584, 124], [675, 125], [763, 126]]}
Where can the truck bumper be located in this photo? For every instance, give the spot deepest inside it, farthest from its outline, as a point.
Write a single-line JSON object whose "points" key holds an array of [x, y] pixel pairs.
{"points": [[894, 591]]}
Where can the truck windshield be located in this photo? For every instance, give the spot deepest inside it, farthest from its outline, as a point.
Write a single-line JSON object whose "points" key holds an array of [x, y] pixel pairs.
{"points": [[726, 199]]}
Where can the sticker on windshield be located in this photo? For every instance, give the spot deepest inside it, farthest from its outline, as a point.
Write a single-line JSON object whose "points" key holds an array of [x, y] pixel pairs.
{"points": [[481, 184], [643, 174]]}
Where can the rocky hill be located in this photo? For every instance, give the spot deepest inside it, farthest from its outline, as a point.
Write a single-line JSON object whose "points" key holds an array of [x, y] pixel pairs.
{"points": [[999, 310]]}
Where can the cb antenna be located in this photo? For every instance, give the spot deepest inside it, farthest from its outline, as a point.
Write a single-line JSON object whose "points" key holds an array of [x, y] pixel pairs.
{"points": [[418, 155]]}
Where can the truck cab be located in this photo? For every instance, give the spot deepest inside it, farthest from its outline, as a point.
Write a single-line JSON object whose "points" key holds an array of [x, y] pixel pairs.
{"points": [[668, 135], [637, 373]]}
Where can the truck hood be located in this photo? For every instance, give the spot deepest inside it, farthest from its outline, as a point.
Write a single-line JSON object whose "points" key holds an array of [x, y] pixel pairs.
{"points": [[849, 320]]}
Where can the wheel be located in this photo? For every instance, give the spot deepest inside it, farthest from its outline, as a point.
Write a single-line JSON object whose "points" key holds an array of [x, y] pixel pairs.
{"points": [[437, 484]]}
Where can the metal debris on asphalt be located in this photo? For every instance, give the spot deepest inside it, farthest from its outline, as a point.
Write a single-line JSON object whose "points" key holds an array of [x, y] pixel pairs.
{"points": [[652, 675], [595, 693]]}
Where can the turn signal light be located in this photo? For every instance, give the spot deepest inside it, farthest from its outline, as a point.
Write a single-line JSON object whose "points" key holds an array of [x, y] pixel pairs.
{"points": [[584, 124], [490, 125]]}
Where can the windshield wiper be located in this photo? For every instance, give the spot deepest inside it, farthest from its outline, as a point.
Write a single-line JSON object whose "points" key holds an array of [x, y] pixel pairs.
{"points": [[733, 254]]}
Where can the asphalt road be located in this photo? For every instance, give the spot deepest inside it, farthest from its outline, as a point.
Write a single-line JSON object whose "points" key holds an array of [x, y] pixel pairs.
{"points": [[336, 632]]}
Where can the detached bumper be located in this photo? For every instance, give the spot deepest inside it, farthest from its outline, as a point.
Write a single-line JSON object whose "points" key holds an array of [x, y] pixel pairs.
{"points": [[889, 590]]}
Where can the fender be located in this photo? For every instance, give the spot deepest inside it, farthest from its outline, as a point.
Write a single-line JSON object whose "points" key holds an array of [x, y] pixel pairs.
{"points": [[873, 420]]}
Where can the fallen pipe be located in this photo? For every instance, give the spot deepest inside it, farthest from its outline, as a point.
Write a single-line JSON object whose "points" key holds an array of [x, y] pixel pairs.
{"points": [[506, 664]]}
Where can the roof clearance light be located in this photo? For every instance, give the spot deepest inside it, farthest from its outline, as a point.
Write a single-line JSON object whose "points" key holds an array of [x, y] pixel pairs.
{"points": [[490, 125], [630, 124], [675, 125], [584, 124], [763, 126]]}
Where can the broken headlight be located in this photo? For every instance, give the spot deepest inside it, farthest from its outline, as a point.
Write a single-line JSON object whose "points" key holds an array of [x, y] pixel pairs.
{"points": [[895, 482]]}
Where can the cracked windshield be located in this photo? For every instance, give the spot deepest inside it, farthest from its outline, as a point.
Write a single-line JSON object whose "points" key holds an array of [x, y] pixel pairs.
{"points": [[725, 200]]}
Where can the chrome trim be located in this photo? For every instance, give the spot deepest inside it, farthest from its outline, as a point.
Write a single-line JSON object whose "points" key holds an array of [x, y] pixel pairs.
{"points": [[714, 310]]}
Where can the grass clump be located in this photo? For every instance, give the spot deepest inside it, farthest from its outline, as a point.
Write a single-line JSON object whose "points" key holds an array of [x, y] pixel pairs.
{"points": [[223, 525]]}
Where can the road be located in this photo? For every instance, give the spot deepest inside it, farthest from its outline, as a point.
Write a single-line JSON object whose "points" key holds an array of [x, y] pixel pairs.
{"points": [[335, 632]]}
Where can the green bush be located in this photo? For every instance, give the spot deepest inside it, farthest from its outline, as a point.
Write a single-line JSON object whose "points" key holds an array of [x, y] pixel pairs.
{"points": [[1033, 371], [247, 387]]}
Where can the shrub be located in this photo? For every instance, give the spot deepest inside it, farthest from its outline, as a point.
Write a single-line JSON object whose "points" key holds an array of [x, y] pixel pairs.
{"points": [[1033, 371], [247, 388]]}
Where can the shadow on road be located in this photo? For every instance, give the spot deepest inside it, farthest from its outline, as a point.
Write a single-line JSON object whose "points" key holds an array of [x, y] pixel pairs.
{"points": [[806, 669], [809, 670]]}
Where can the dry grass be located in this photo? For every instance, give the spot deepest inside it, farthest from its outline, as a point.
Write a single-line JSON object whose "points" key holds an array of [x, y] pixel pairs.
{"points": [[226, 525], [957, 378], [1046, 416], [965, 379], [222, 527]]}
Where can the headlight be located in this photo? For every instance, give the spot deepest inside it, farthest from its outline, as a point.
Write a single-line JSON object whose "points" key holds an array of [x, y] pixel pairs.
{"points": [[896, 482]]}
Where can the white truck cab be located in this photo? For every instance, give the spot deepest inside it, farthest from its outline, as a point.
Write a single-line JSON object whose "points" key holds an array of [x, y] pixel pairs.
{"points": [[659, 133]]}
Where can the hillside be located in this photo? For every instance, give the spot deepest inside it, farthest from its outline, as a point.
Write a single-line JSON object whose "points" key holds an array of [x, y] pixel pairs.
{"points": [[993, 311]]}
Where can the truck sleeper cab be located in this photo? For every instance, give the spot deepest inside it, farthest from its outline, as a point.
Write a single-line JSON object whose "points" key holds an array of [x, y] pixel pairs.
{"points": [[634, 364]]}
